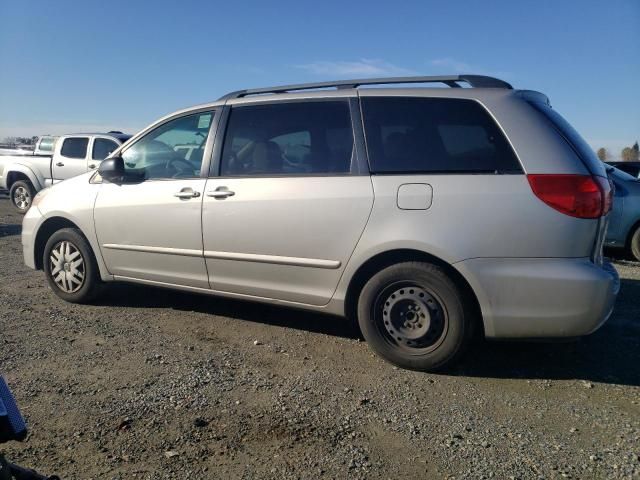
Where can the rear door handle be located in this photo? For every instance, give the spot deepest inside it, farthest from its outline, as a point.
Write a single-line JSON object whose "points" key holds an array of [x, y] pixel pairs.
{"points": [[187, 193], [220, 192], [92, 166], [59, 164]]}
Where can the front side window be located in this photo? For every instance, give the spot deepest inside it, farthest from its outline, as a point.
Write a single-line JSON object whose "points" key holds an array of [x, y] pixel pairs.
{"points": [[102, 148], [297, 138], [434, 135], [173, 150], [74, 147]]}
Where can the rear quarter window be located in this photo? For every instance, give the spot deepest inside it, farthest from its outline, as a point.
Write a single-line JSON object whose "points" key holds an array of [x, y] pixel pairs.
{"points": [[46, 145], [434, 135]]}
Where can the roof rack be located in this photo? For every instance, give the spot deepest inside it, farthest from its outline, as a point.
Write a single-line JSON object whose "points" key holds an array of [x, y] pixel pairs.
{"points": [[477, 81]]}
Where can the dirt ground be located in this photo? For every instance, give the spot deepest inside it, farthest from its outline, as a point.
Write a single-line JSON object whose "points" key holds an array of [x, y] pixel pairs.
{"points": [[156, 384]]}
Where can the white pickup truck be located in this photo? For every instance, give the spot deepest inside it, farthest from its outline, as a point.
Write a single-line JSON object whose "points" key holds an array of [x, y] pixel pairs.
{"points": [[25, 175]]}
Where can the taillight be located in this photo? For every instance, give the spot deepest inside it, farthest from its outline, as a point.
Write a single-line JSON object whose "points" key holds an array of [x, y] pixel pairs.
{"points": [[581, 196], [607, 194]]}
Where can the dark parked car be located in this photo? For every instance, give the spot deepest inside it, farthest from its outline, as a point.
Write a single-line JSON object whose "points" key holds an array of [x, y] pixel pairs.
{"points": [[624, 221], [632, 168]]}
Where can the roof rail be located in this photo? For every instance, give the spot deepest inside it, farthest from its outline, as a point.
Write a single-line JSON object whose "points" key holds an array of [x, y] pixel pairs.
{"points": [[477, 81]]}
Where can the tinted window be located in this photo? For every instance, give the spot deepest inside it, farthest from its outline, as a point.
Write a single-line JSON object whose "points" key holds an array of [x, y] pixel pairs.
{"points": [[288, 139], [74, 147], [434, 135], [102, 148], [173, 150], [579, 144], [620, 174], [631, 168]]}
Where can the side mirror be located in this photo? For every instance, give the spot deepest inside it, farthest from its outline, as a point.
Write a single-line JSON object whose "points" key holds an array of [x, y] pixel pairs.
{"points": [[112, 169]]}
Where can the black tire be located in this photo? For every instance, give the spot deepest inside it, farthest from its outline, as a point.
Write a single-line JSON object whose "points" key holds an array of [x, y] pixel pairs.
{"points": [[73, 286], [21, 194], [634, 244], [413, 315]]}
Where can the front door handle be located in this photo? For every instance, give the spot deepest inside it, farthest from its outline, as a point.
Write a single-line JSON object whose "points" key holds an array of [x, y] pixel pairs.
{"points": [[187, 193], [59, 164], [220, 192], [92, 166]]}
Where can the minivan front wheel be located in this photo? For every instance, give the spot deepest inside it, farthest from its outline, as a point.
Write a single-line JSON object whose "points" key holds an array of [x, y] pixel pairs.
{"points": [[413, 315], [70, 267]]}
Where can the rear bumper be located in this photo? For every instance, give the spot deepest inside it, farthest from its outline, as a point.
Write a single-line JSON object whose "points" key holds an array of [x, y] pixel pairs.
{"points": [[541, 298]]}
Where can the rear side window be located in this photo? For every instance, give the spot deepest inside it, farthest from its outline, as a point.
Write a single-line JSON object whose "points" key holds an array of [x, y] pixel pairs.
{"points": [[434, 135], [46, 145], [74, 147], [575, 140], [102, 148], [299, 138]]}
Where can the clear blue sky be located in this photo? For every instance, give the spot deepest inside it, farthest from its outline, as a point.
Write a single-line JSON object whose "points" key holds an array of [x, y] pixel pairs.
{"points": [[78, 65]]}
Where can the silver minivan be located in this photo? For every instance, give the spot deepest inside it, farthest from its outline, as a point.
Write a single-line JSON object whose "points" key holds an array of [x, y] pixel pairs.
{"points": [[427, 214]]}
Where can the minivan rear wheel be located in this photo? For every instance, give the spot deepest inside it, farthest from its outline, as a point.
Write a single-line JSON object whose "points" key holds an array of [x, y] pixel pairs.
{"points": [[70, 266], [415, 316]]}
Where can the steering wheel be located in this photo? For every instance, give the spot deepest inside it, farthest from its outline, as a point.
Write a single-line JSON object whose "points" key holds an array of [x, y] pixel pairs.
{"points": [[172, 162]]}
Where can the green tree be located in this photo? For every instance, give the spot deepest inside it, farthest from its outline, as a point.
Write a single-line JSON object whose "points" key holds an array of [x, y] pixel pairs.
{"points": [[631, 154], [603, 154]]}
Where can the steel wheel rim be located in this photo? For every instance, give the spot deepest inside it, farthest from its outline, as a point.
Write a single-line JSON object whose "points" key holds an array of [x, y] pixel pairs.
{"points": [[411, 317], [67, 267], [22, 198]]}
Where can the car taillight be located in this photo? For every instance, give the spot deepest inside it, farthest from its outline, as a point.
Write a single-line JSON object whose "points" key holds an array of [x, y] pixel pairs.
{"points": [[581, 196]]}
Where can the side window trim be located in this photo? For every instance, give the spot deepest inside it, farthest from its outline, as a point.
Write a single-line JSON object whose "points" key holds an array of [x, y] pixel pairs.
{"points": [[359, 164], [213, 169], [206, 156]]}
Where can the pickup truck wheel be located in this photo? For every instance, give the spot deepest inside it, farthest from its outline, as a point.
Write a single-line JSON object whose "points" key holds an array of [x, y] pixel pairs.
{"points": [[21, 195], [634, 244], [413, 315], [70, 266]]}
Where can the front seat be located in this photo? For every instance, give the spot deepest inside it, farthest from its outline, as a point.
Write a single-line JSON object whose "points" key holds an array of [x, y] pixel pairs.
{"points": [[267, 158]]}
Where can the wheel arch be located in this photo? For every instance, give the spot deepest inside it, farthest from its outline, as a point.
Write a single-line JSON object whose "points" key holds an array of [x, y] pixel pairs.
{"points": [[390, 257], [18, 172], [49, 227], [13, 177]]}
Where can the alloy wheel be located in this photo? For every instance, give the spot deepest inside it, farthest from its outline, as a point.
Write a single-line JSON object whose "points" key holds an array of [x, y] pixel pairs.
{"points": [[22, 198]]}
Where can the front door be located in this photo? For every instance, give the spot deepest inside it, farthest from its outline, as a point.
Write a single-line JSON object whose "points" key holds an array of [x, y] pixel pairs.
{"points": [[288, 208], [101, 148], [149, 226]]}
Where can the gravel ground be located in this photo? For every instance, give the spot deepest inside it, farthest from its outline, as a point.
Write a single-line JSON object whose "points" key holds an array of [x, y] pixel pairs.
{"points": [[155, 384]]}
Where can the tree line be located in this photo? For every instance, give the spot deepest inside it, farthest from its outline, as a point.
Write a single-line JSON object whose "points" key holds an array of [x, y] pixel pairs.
{"points": [[628, 154], [20, 140]]}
